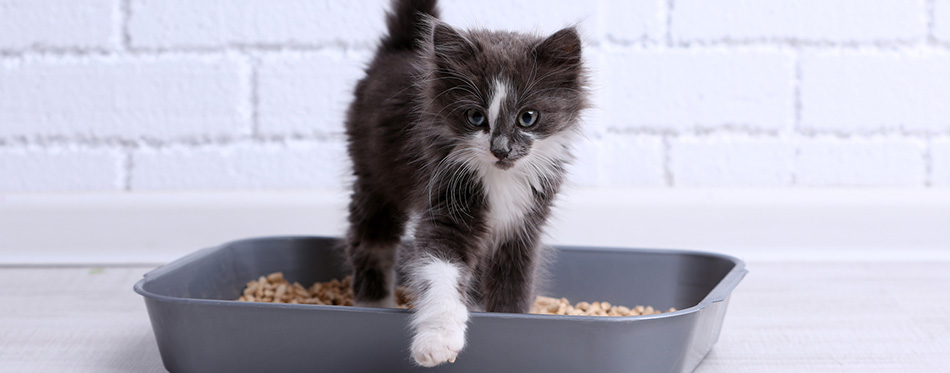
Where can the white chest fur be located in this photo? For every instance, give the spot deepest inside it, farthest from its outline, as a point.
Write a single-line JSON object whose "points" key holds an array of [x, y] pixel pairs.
{"points": [[510, 196]]}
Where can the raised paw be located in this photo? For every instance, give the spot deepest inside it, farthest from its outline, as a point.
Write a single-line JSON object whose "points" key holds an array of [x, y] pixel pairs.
{"points": [[431, 348]]}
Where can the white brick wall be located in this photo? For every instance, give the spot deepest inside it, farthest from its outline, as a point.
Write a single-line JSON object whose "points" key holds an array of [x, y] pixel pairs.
{"points": [[123, 97], [619, 160], [808, 20], [942, 20], [633, 20], [876, 161], [307, 93], [686, 89], [868, 91], [60, 168], [215, 94], [58, 24], [940, 162], [731, 161], [516, 15], [215, 23], [242, 166]]}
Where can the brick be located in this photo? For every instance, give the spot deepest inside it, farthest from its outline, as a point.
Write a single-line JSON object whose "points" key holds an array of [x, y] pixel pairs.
{"points": [[632, 160], [60, 24], [295, 165], [855, 91], [811, 20], [683, 89], [585, 170], [877, 161], [594, 120], [940, 162], [731, 160], [210, 23], [544, 17], [307, 93], [626, 20], [60, 170], [619, 160], [942, 20], [123, 97], [633, 20]]}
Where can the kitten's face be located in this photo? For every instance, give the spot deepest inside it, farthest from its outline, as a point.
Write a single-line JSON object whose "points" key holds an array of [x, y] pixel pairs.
{"points": [[508, 99]]}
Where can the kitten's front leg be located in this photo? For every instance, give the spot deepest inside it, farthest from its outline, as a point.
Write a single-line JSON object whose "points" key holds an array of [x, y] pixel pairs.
{"points": [[508, 282], [440, 273], [441, 312]]}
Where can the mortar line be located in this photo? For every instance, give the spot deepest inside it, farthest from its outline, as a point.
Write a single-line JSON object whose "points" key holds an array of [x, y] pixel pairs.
{"points": [[890, 132], [928, 162], [667, 160], [797, 91], [127, 165], [248, 47], [930, 16], [796, 140], [796, 132], [796, 153], [726, 128], [154, 143], [883, 44], [257, 48], [275, 138], [669, 22], [644, 42], [891, 46], [125, 7], [254, 85]]}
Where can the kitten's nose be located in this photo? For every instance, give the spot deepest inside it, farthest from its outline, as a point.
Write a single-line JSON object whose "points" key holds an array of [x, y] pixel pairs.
{"points": [[500, 153], [500, 147]]}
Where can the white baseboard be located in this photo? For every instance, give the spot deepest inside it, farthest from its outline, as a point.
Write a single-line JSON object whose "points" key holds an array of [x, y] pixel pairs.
{"points": [[781, 224]]}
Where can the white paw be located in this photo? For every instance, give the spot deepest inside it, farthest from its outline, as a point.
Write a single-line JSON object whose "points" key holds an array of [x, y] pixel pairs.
{"points": [[388, 302], [434, 347]]}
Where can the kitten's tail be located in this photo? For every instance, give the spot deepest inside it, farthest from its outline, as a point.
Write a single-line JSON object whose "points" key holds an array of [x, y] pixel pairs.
{"points": [[407, 23]]}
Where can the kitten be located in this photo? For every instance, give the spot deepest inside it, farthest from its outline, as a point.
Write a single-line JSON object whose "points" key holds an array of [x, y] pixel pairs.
{"points": [[468, 132]]}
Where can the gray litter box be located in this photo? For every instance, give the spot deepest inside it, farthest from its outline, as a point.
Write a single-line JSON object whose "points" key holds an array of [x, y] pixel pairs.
{"points": [[199, 328]]}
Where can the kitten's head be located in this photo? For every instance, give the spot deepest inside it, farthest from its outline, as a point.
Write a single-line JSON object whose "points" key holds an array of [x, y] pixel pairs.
{"points": [[507, 99]]}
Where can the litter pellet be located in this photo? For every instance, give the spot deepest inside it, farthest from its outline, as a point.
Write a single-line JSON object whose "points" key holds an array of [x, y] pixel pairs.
{"points": [[274, 288]]}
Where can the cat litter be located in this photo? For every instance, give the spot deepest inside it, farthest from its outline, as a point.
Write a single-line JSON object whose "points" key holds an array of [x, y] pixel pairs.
{"points": [[200, 328], [273, 288]]}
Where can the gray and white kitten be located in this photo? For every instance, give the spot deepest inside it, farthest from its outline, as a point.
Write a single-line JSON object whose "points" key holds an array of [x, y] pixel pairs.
{"points": [[469, 133]]}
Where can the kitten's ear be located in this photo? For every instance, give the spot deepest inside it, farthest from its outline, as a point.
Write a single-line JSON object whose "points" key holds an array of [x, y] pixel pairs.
{"points": [[449, 45], [561, 48]]}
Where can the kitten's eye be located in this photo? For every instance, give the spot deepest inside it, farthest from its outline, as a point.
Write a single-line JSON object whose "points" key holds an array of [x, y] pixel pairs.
{"points": [[527, 118], [475, 117]]}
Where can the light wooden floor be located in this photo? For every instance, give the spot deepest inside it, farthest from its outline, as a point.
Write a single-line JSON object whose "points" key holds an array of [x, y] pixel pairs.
{"points": [[784, 317]]}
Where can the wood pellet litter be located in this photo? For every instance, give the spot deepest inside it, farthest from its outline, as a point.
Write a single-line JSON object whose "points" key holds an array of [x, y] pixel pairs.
{"points": [[273, 288]]}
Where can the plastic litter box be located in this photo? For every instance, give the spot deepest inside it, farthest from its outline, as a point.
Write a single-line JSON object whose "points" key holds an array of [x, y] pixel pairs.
{"points": [[199, 328]]}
